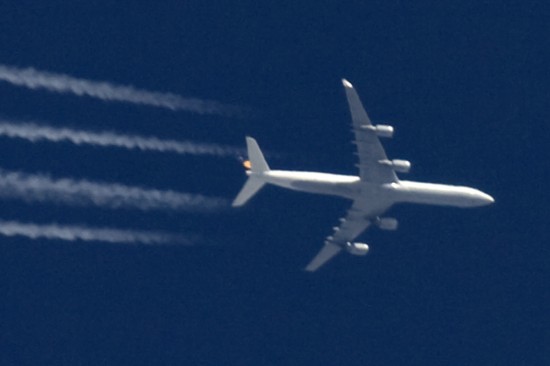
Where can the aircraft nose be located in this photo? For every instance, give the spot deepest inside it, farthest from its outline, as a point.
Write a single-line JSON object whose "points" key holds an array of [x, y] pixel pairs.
{"points": [[486, 199]]}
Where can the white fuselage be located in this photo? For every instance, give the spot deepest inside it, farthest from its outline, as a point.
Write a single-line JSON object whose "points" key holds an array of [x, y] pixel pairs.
{"points": [[383, 195]]}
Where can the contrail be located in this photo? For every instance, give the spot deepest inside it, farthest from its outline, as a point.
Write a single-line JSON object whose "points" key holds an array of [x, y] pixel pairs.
{"points": [[35, 132], [84, 233], [42, 188], [65, 84]]}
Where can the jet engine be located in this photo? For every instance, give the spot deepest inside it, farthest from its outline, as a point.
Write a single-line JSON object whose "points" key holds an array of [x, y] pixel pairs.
{"points": [[381, 130], [357, 248], [400, 166], [386, 223]]}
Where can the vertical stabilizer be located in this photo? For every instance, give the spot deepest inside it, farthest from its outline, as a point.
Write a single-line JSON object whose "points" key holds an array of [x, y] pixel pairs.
{"points": [[257, 160], [258, 165]]}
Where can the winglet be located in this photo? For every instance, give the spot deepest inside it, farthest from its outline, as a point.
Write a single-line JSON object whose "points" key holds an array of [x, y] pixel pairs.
{"points": [[347, 84]]}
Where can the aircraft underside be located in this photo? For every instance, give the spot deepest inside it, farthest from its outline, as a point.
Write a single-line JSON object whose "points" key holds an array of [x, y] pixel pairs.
{"points": [[372, 193]]}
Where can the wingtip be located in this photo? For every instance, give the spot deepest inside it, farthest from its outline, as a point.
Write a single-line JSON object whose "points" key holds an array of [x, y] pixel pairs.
{"points": [[347, 84]]}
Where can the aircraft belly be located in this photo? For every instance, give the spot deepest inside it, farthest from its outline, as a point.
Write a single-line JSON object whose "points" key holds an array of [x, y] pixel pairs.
{"points": [[440, 194], [373, 205], [347, 190]]}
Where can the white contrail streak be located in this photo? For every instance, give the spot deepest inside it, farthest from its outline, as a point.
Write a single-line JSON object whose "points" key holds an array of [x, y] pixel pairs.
{"points": [[42, 188], [36, 132], [84, 233], [60, 83]]}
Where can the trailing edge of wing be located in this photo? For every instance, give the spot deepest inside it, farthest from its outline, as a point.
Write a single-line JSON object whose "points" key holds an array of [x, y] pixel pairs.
{"points": [[326, 253]]}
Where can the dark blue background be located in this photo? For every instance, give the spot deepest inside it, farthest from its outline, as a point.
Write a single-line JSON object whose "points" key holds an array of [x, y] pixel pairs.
{"points": [[465, 83]]}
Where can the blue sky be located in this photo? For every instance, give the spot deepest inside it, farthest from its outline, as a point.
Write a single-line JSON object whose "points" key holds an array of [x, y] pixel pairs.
{"points": [[465, 85]]}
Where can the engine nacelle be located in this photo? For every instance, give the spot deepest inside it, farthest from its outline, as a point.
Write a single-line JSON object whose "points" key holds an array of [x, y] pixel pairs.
{"points": [[384, 131], [400, 166], [386, 223], [357, 248], [380, 130]]}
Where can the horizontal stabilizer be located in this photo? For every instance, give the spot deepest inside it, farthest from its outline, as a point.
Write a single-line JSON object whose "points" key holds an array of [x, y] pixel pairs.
{"points": [[250, 188]]}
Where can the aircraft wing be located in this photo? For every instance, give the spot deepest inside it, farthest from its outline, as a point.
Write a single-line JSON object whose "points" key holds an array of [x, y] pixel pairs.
{"points": [[373, 169], [369, 148], [328, 251], [355, 222]]}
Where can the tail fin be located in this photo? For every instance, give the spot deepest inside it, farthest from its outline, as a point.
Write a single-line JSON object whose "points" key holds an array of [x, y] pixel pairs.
{"points": [[257, 160], [258, 165]]}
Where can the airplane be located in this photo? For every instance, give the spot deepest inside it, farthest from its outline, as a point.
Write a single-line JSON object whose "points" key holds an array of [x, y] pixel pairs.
{"points": [[373, 192]]}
